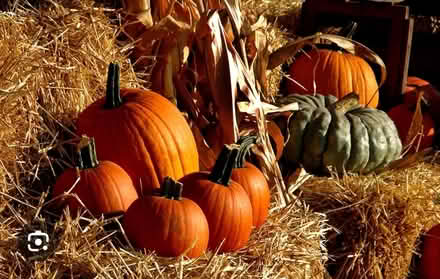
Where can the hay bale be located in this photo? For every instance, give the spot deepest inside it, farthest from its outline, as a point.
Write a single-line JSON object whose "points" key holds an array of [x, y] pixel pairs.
{"points": [[53, 63], [376, 219]]}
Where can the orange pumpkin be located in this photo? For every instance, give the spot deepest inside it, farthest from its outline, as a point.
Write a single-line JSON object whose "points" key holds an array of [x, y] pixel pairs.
{"points": [[141, 131], [429, 264], [253, 182], [431, 96], [225, 203], [402, 116], [103, 186], [337, 73], [167, 223]]}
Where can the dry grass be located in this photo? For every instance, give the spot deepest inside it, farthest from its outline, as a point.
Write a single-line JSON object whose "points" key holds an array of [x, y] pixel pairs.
{"points": [[53, 63], [377, 219]]}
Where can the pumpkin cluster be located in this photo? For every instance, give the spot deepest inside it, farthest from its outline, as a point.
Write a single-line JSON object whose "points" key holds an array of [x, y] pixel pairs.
{"points": [[150, 173]]}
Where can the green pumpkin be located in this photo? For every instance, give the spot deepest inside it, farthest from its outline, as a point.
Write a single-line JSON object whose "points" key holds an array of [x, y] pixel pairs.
{"points": [[342, 134]]}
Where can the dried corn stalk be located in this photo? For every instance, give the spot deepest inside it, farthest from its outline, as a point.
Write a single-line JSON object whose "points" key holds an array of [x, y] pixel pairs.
{"points": [[206, 59]]}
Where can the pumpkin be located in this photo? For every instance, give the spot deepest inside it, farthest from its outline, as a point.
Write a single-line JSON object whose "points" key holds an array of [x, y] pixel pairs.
{"points": [[141, 131], [225, 203], [429, 263], [326, 132], [253, 181], [431, 94], [167, 223], [103, 187], [335, 72], [402, 116]]}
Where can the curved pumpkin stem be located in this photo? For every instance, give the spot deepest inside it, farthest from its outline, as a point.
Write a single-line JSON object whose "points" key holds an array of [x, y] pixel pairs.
{"points": [[245, 143], [347, 103], [86, 150], [222, 170], [113, 93]]}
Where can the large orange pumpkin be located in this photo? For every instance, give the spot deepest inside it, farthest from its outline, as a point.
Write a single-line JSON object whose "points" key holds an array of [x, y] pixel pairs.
{"points": [[167, 223], [225, 203], [141, 131], [337, 73], [103, 186]]}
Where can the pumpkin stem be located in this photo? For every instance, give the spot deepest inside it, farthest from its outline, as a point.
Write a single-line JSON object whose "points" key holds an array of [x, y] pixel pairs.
{"points": [[113, 93], [166, 187], [347, 103], [86, 150], [222, 170], [245, 143]]}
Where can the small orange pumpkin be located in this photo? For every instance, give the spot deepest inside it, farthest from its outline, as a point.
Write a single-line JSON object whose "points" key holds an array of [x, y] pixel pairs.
{"points": [[253, 181], [335, 72], [225, 203], [167, 223], [103, 187]]}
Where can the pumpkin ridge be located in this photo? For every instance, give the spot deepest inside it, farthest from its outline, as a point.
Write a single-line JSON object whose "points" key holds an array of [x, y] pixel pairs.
{"points": [[99, 173], [118, 189], [359, 86], [173, 138], [373, 141], [234, 230], [142, 144], [355, 143], [161, 145]]}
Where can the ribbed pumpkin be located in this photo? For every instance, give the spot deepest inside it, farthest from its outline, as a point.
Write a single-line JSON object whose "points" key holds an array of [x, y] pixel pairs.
{"points": [[326, 132], [225, 203], [402, 116], [103, 186], [253, 181], [142, 132], [335, 72], [167, 223]]}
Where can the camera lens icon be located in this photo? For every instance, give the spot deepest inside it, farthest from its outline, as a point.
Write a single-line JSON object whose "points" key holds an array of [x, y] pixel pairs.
{"points": [[37, 241]]}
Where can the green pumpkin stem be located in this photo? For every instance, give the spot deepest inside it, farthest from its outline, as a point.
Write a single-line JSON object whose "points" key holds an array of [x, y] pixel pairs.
{"points": [[86, 149], [113, 93], [171, 189], [245, 143], [222, 170], [347, 103], [166, 187]]}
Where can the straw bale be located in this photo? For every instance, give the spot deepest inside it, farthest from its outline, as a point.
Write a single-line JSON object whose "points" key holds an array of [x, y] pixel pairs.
{"points": [[377, 220], [53, 63]]}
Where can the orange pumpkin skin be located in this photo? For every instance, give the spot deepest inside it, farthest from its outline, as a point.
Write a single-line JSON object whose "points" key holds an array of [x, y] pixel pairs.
{"points": [[337, 73], [104, 189], [146, 135], [227, 209], [167, 226], [429, 264], [225, 204], [255, 184], [402, 117]]}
